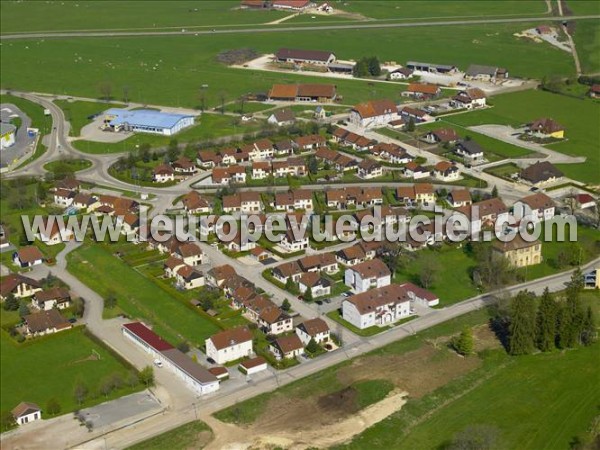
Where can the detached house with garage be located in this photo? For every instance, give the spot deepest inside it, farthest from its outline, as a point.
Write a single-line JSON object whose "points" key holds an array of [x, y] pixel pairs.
{"points": [[28, 256], [536, 207], [242, 202], [470, 98], [469, 150], [367, 275], [446, 171], [19, 286], [442, 136], [459, 197], [287, 347], [374, 113], [164, 173], [314, 282], [56, 297], [369, 169], [546, 128], [194, 203], [300, 199], [316, 329], [229, 345], [540, 173]]}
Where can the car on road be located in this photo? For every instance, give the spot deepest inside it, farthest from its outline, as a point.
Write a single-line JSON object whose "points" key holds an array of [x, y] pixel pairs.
{"points": [[158, 363], [347, 294], [211, 361]]}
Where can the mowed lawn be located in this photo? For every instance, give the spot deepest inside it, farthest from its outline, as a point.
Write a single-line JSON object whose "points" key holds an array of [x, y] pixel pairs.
{"points": [[89, 15], [138, 296], [171, 70], [579, 117], [51, 366], [537, 402], [587, 41], [384, 10]]}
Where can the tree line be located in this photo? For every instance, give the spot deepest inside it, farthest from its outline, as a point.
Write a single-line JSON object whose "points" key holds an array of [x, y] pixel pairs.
{"points": [[552, 324]]}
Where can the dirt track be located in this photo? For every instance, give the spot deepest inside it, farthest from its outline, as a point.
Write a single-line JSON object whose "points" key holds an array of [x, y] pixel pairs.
{"points": [[231, 437]]}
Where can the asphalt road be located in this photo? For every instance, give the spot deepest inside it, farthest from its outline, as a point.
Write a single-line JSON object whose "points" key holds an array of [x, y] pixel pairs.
{"points": [[282, 29]]}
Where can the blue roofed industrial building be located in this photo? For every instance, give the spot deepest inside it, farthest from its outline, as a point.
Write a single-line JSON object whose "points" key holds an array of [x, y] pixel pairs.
{"points": [[146, 121]]}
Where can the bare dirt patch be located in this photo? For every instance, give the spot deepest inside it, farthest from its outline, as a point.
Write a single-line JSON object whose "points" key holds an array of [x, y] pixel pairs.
{"points": [[485, 338], [418, 372]]}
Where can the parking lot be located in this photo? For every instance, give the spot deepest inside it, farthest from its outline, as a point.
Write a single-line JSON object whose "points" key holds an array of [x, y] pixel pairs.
{"points": [[24, 143], [138, 405]]}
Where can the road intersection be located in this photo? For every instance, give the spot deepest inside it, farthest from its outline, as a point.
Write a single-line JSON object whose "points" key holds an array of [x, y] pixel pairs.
{"points": [[181, 405]]}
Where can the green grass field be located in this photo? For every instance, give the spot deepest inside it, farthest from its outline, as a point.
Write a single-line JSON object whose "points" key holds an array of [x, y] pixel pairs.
{"points": [[89, 15], [579, 117], [51, 366], [138, 296], [587, 41], [535, 402], [384, 10], [190, 435], [171, 70]]}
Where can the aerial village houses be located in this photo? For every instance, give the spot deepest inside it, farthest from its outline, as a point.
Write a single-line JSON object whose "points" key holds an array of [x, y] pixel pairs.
{"points": [[402, 73], [28, 256], [194, 203], [469, 150], [367, 275], [164, 173], [56, 297], [26, 412], [535, 207], [519, 252], [377, 307], [416, 115], [420, 193], [229, 345], [18, 285], [227, 175], [282, 117], [57, 233], [374, 113], [470, 98], [540, 173], [459, 197], [242, 202], [316, 329], [442, 136], [45, 322], [446, 171], [314, 282], [187, 277], [546, 128], [286, 347], [369, 169], [415, 171]]}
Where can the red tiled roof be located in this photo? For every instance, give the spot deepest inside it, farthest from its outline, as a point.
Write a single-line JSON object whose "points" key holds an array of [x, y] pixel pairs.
{"points": [[148, 336]]}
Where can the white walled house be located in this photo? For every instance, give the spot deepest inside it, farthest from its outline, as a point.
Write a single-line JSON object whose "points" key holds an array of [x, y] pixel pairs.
{"points": [[536, 207], [287, 347], [367, 275], [316, 329], [377, 307], [229, 345], [374, 113], [26, 412]]}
